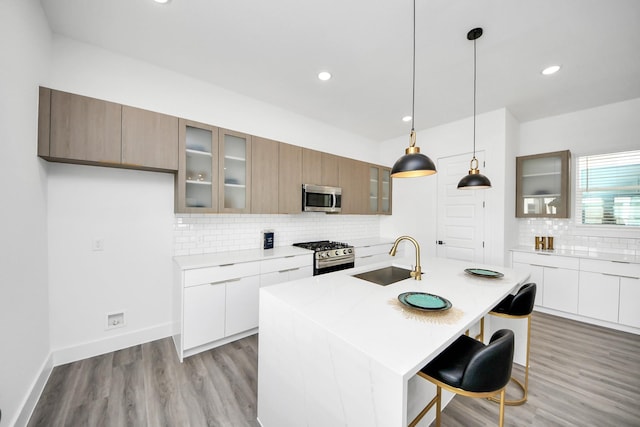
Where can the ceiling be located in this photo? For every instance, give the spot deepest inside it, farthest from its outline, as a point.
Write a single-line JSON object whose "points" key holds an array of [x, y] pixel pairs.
{"points": [[273, 50]]}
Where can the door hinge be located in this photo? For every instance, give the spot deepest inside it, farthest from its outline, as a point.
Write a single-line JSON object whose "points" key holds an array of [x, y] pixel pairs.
{"points": [[483, 243], [483, 203]]}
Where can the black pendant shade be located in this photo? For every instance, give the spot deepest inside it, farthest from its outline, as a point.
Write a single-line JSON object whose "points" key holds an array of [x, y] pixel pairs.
{"points": [[413, 164], [475, 180]]}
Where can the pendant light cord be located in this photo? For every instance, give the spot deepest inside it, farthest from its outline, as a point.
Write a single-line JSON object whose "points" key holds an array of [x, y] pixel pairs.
{"points": [[413, 78], [474, 98]]}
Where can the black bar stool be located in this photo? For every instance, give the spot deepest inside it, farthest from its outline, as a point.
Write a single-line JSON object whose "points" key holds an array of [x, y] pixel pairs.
{"points": [[518, 306], [470, 368]]}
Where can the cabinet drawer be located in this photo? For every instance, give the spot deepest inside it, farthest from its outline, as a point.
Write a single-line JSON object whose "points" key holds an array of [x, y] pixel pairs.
{"points": [[546, 260], [220, 273], [610, 267], [372, 250], [286, 263]]}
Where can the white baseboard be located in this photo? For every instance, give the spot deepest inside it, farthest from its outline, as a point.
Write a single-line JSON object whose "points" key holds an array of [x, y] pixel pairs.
{"points": [[98, 347], [31, 399]]}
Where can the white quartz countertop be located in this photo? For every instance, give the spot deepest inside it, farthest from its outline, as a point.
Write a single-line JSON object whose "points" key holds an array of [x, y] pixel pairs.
{"points": [[367, 317], [586, 254], [187, 262]]}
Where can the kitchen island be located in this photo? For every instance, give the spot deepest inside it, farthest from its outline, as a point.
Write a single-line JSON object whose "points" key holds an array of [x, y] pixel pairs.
{"points": [[335, 350]]}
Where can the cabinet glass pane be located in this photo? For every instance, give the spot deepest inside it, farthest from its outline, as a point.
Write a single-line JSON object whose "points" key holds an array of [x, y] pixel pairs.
{"points": [[542, 185], [386, 186], [373, 189], [235, 172], [199, 168]]}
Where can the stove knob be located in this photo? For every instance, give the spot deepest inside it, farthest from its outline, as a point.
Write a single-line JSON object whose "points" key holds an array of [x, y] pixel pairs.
{"points": [[344, 252], [337, 253], [320, 255], [350, 250]]}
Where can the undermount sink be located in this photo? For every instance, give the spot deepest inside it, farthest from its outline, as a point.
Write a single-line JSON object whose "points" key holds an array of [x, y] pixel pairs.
{"points": [[385, 276]]}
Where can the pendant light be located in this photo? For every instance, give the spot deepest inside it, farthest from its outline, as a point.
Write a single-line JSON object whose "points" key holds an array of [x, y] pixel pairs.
{"points": [[413, 163], [475, 180]]}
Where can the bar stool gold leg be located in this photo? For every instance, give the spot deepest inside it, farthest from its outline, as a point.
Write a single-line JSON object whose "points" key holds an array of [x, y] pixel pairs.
{"points": [[524, 387]]}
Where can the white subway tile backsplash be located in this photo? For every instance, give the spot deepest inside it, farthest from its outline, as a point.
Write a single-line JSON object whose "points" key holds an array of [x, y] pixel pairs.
{"points": [[199, 233], [565, 237]]}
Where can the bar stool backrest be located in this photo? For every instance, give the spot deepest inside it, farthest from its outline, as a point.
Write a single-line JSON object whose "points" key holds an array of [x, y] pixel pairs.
{"points": [[490, 368]]}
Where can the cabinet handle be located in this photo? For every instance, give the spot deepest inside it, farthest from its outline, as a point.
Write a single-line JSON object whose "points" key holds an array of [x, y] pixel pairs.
{"points": [[227, 265], [622, 262], [290, 256], [545, 266], [217, 283], [619, 275], [290, 269], [237, 279], [366, 256]]}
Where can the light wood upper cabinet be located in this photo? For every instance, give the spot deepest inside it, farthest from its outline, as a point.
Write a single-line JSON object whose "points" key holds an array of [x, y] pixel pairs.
{"points": [[379, 190], [197, 179], [543, 186], [290, 179], [79, 129], [330, 172], [311, 167], [264, 176], [149, 139], [234, 172], [354, 181], [84, 129]]}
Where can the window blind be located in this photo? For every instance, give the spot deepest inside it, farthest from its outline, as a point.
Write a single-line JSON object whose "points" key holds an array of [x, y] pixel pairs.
{"points": [[608, 189]]}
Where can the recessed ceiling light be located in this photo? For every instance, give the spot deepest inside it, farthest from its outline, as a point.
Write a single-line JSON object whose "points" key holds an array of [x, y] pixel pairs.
{"points": [[161, 1], [324, 75], [406, 119], [551, 70]]}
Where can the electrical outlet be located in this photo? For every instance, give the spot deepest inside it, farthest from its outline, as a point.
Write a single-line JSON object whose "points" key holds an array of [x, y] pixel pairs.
{"points": [[115, 320], [97, 244]]}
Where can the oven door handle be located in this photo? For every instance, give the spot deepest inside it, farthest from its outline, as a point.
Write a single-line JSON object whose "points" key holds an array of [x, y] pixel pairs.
{"points": [[334, 199], [334, 262]]}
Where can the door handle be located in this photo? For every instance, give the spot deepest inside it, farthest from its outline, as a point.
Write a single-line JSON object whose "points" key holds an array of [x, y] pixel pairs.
{"points": [[440, 242]]}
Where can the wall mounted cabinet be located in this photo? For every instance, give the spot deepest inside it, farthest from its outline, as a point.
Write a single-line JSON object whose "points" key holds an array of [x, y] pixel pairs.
{"points": [[234, 172], [289, 186], [197, 179], [264, 176], [379, 190], [543, 186], [149, 139], [80, 129]]}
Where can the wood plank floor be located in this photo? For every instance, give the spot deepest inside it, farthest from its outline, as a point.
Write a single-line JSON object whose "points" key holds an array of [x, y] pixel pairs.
{"points": [[581, 375]]}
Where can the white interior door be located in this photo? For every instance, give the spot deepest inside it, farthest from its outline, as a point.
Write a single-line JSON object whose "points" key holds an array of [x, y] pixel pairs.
{"points": [[460, 212]]}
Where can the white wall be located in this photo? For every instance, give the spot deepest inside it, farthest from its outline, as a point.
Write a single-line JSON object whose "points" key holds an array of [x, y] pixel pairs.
{"points": [[24, 314], [415, 199], [609, 128], [133, 211]]}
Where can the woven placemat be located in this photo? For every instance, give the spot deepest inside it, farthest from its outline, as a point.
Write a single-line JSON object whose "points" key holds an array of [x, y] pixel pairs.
{"points": [[438, 317]]}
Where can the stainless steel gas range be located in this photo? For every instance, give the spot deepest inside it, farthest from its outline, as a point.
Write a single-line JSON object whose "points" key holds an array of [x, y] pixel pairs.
{"points": [[330, 256]]}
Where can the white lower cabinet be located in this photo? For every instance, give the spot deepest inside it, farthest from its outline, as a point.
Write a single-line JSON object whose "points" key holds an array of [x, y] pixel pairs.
{"points": [[204, 313], [242, 305], [599, 296], [556, 278], [629, 301], [371, 254], [604, 290], [217, 304], [561, 289], [280, 270], [610, 291]]}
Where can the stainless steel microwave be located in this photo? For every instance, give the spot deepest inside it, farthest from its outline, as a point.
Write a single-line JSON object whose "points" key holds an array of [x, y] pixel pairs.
{"points": [[320, 198]]}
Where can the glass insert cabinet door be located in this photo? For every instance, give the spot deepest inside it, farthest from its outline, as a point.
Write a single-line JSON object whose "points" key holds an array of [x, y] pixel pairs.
{"points": [[197, 183], [235, 171], [542, 185], [379, 190]]}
